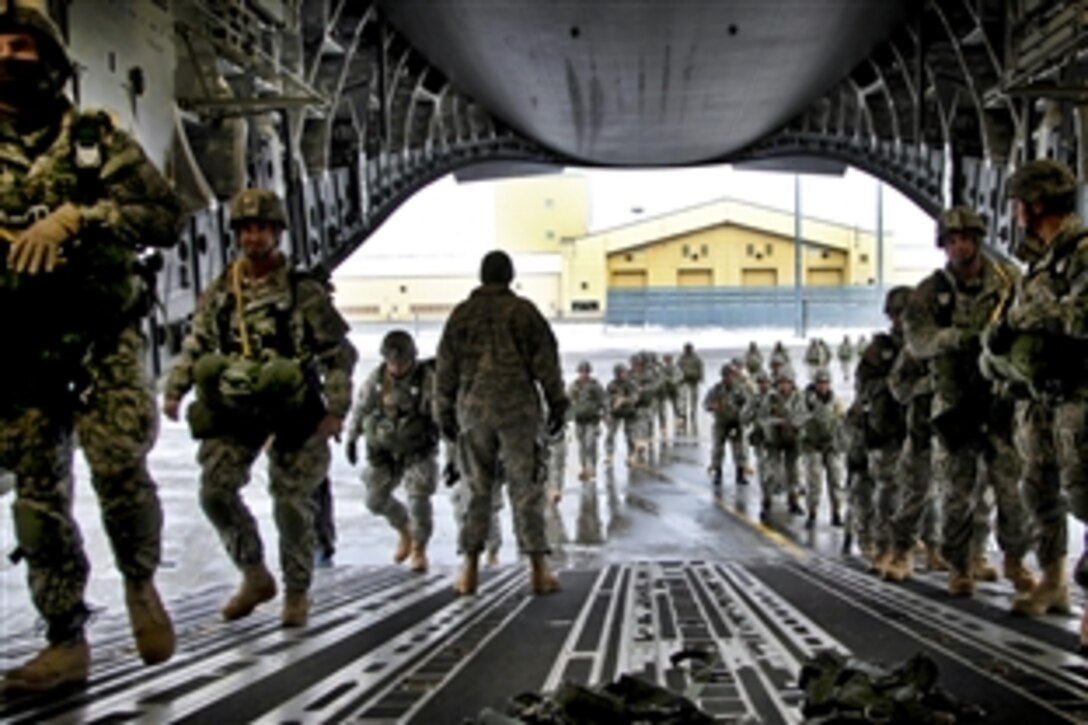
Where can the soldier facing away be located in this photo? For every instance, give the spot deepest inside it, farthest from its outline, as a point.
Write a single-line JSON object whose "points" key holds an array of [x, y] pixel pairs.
{"points": [[497, 357], [75, 189], [691, 372], [395, 415], [269, 356]]}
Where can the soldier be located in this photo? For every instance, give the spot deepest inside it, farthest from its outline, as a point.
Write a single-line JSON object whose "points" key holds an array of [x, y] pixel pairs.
{"points": [[75, 187], [588, 402], [780, 365], [324, 525], [269, 357], [750, 418], [846, 357], [394, 413], [753, 359], [942, 325], [621, 393], [642, 431], [912, 386], [496, 356], [1041, 341], [859, 484], [885, 428], [726, 401], [670, 394], [815, 358], [691, 370], [781, 416], [819, 439]]}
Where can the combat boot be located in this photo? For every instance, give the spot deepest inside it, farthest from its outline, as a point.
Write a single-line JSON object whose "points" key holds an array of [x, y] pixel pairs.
{"points": [[296, 609], [1051, 594], [715, 476], [1080, 571], [1018, 574], [742, 475], [810, 522], [257, 586], [56, 665], [836, 519], [492, 558], [541, 578], [934, 560], [794, 507], [961, 583], [880, 557], [583, 474], [899, 566], [418, 562], [404, 545], [151, 625], [469, 578], [982, 570]]}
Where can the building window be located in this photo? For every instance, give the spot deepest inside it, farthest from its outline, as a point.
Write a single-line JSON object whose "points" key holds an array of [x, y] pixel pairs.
{"points": [[864, 258], [685, 251], [404, 289], [770, 249], [549, 203], [629, 257], [585, 286], [751, 251], [825, 254], [704, 250], [550, 234]]}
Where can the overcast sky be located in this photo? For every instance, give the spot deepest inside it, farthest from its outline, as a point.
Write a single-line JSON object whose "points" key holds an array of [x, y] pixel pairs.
{"points": [[448, 218]]}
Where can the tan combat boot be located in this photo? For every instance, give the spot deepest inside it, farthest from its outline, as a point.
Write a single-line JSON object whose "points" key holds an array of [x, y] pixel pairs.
{"points": [[257, 586], [469, 578], [492, 558], [418, 562], [1020, 576], [1051, 594], [934, 560], [56, 665], [583, 474], [899, 566], [151, 625], [296, 609], [404, 545], [982, 570], [960, 583], [879, 560], [541, 579]]}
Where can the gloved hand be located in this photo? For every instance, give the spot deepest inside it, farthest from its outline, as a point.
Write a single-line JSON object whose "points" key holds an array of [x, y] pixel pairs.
{"points": [[38, 248], [351, 449], [999, 337], [557, 420]]}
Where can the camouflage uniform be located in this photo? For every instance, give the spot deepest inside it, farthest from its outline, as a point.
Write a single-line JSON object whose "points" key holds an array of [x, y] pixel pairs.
{"points": [[459, 499], [819, 442], [916, 513], [691, 371], [288, 316], [588, 402], [859, 483], [394, 414], [750, 419], [495, 350], [753, 359], [622, 393], [781, 418], [671, 380], [884, 434], [942, 325], [645, 378], [846, 357], [111, 206], [726, 401]]}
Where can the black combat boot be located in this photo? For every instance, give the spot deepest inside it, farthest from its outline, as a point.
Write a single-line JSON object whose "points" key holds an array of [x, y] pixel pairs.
{"points": [[810, 522], [742, 478], [716, 477]]}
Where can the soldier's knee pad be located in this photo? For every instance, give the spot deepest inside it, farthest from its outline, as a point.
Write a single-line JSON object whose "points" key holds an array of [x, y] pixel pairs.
{"points": [[44, 535]]}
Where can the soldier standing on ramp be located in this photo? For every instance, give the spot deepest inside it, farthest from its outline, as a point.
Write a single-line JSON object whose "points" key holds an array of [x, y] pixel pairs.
{"points": [[588, 401], [496, 357], [74, 186], [269, 356], [395, 414]]}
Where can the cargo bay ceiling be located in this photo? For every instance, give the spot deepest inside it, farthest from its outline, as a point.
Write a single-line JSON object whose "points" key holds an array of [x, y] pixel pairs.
{"points": [[936, 98]]}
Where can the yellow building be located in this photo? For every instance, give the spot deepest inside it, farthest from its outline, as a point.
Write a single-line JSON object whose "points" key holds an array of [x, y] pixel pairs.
{"points": [[543, 222]]}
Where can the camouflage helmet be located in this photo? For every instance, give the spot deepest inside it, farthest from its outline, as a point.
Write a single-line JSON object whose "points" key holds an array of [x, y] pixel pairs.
{"points": [[1042, 179], [585, 367], [257, 205], [896, 300], [959, 220], [30, 16], [728, 368], [619, 369], [822, 376], [785, 374], [763, 377], [399, 347]]}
